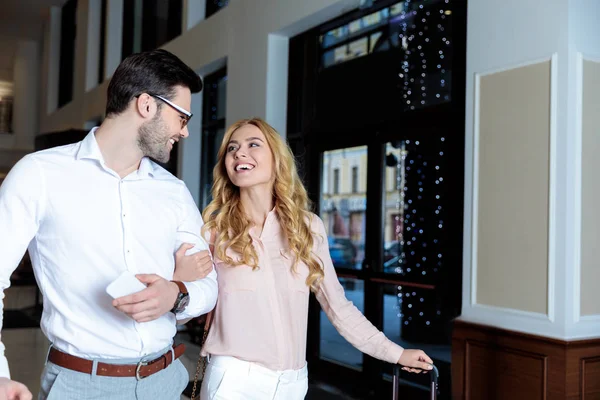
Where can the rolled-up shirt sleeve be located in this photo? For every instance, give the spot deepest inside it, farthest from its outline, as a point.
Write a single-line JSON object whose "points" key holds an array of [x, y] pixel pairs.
{"points": [[21, 212], [203, 293], [344, 316]]}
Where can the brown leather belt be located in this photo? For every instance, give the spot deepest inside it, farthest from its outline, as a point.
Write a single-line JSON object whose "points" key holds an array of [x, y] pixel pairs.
{"points": [[141, 370]]}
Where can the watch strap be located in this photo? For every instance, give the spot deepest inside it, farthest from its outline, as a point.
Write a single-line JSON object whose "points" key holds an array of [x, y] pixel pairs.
{"points": [[182, 287]]}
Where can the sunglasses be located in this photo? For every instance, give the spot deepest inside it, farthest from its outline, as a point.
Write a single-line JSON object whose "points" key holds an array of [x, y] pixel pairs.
{"points": [[185, 115]]}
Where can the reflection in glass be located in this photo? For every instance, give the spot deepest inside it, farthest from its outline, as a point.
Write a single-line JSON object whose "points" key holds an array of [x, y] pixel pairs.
{"points": [[148, 24], [419, 30], [344, 203], [333, 346], [405, 306], [212, 6], [211, 141], [414, 213], [414, 232], [424, 313], [6, 106], [395, 182], [213, 129]]}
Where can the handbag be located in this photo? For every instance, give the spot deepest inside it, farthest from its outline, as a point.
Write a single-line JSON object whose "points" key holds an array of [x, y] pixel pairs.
{"points": [[202, 361]]}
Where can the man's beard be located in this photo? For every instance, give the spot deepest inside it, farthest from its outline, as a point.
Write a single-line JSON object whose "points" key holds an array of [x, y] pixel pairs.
{"points": [[152, 139]]}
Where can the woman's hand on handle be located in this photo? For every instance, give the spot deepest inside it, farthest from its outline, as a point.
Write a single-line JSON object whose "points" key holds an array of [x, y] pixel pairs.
{"points": [[415, 361]]}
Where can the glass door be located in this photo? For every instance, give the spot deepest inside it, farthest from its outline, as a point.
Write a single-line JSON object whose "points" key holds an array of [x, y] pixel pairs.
{"points": [[384, 206], [343, 206]]}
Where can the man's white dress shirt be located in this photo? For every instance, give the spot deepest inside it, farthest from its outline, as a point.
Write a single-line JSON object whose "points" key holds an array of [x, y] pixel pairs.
{"points": [[84, 226]]}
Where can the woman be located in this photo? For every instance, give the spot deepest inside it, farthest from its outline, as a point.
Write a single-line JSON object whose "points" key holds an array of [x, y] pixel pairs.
{"points": [[270, 251]]}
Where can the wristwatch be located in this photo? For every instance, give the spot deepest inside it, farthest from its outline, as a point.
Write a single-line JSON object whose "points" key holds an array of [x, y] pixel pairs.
{"points": [[183, 298]]}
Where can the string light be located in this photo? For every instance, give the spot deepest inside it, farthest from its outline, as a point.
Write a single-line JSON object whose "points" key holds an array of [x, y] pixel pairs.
{"points": [[425, 43]]}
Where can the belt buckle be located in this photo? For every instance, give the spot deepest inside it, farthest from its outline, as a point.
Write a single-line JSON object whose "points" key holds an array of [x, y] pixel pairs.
{"points": [[137, 370]]}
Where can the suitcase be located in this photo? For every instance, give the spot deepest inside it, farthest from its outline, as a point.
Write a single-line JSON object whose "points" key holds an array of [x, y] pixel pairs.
{"points": [[434, 373]]}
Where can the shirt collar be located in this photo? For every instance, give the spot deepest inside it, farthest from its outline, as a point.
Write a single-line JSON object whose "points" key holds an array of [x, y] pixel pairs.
{"points": [[146, 169], [89, 149]]}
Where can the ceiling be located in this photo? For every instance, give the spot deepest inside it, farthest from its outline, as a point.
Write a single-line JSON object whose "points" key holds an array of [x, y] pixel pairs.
{"points": [[20, 19], [24, 10], [25, 18]]}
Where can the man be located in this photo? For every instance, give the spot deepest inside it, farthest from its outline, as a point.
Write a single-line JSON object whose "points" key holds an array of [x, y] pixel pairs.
{"points": [[89, 212]]}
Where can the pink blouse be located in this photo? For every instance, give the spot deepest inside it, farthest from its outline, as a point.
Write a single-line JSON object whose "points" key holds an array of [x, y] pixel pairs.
{"points": [[261, 316]]}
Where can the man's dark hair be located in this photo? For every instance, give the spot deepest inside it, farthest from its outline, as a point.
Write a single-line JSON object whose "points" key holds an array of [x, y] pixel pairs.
{"points": [[154, 72]]}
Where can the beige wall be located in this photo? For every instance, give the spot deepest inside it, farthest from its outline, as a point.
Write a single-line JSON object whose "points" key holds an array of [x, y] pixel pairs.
{"points": [[590, 207], [513, 187]]}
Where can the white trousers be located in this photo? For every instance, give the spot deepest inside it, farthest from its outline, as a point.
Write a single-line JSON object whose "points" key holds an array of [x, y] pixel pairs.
{"points": [[229, 378]]}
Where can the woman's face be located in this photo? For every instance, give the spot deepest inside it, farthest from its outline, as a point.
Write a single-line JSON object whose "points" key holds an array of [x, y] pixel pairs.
{"points": [[249, 159]]}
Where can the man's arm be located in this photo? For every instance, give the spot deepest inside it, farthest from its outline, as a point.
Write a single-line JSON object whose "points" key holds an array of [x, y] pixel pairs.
{"points": [[160, 295], [21, 211], [203, 292]]}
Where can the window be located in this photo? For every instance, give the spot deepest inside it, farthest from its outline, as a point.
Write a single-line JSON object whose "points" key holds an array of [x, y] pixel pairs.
{"points": [[336, 181], [6, 107], [68, 32], [102, 47], [361, 36], [213, 129], [354, 179], [420, 30], [149, 24], [212, 6]]}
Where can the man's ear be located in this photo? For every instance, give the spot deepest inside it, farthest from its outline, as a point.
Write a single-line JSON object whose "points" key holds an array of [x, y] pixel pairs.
{"points": [[145, 106]]}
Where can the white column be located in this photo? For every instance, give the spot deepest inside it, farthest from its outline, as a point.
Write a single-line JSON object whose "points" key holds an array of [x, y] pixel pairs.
{"points": [[194, 11], [511, 278], [581, 166], [52, 59], [277, 82], [114, 37], [94, 19], [81, 50], [26, 94], [190, 150]]}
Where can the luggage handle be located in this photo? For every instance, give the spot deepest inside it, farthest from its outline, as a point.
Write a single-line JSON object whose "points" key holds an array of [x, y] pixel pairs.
{"points": [[434, 373]]}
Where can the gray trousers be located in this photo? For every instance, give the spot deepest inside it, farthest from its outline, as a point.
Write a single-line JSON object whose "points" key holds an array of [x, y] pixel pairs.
{"points": [[59, 383]]}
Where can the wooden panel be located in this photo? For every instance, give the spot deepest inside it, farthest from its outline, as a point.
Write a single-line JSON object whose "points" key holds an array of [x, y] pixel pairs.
{"points": [[582, 378], [495, 372], [590, 378], [491, 363], [497, 364]]}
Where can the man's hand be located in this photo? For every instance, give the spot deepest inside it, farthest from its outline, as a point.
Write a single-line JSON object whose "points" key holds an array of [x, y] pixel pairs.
{"points": [[12, 390], [415, 361], [193, 267], [151, 303]]}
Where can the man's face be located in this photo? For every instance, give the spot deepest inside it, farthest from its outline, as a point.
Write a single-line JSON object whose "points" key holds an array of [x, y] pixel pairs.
{"points": [[157, 136]]}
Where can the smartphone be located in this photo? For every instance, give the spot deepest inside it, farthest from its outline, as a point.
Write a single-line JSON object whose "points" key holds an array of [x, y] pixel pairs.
{"points": [[124, 285]]}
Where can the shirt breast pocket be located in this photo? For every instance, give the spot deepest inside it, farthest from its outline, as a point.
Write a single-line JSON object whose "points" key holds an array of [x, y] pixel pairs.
{"points": [[238, 278], [296, 280]]}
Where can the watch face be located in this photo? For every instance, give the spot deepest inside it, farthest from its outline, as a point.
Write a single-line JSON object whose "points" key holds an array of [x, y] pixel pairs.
{"points": [[183, 303]]}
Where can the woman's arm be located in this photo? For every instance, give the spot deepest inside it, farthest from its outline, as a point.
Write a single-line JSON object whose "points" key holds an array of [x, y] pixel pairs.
{"points": [[350, 322]]}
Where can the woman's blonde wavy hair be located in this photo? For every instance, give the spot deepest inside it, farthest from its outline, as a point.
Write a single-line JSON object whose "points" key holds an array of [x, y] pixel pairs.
{"points": [[225, 215]]}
